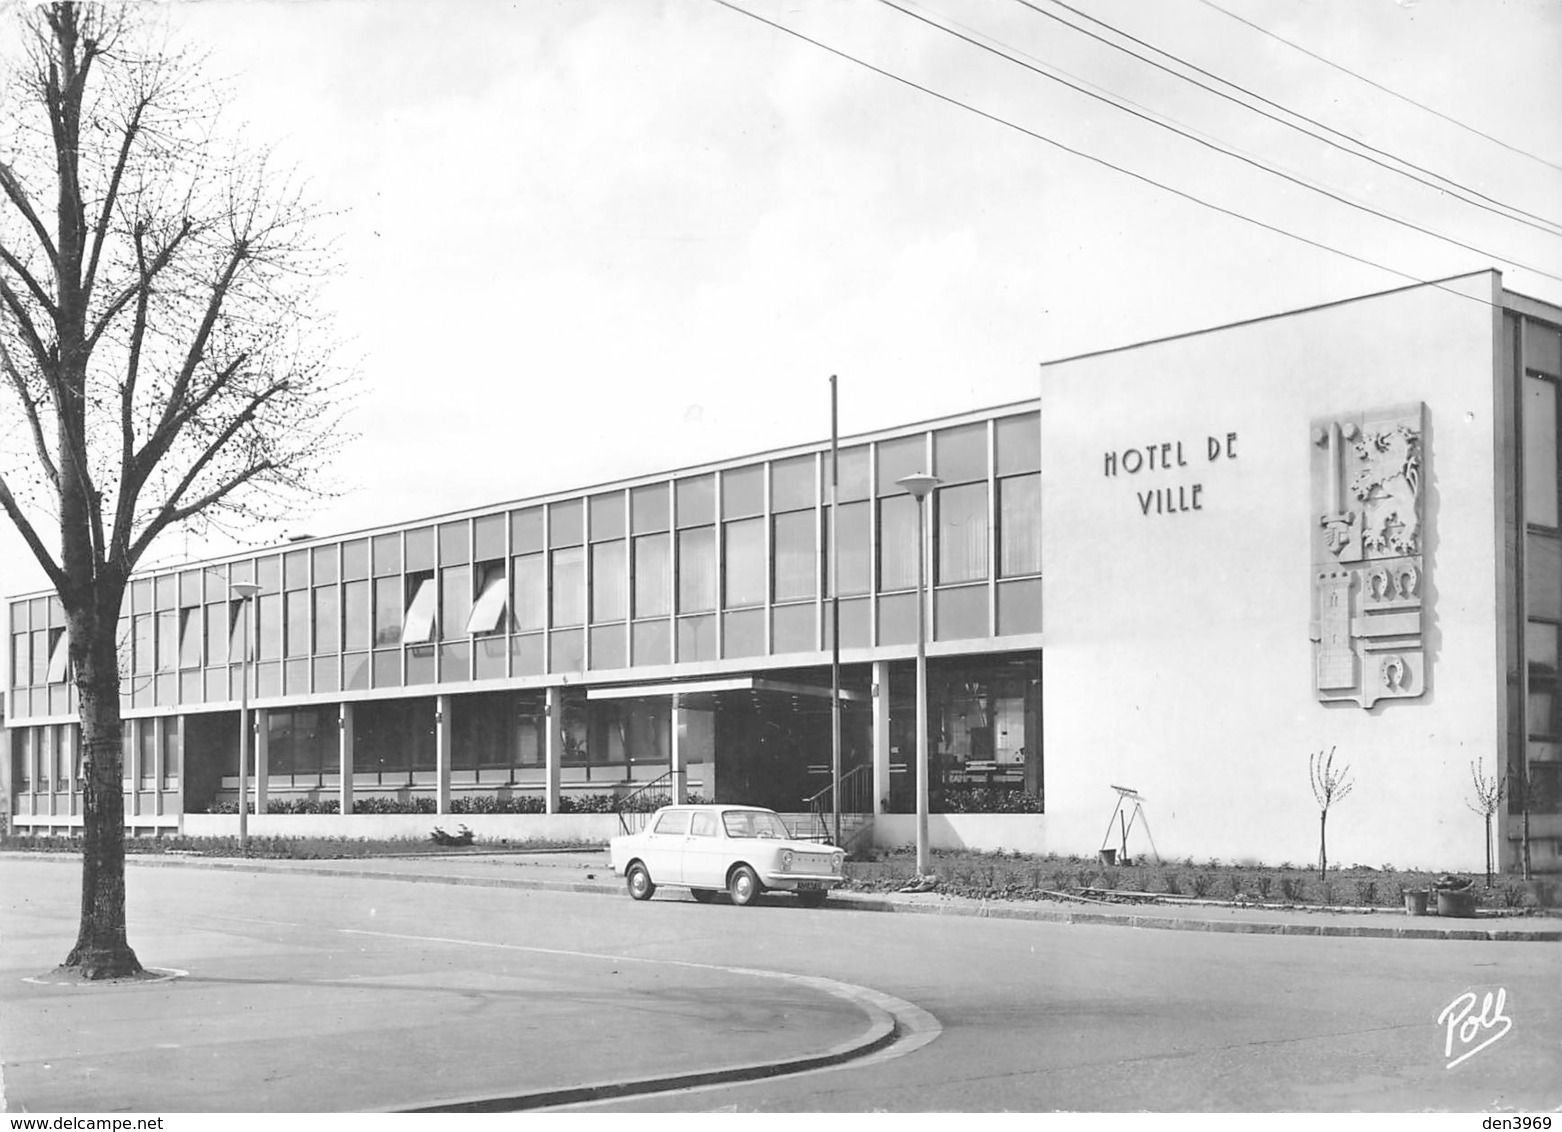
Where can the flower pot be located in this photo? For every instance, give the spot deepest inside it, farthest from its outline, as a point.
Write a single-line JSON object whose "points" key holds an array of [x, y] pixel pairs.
{"points": [[1415, 902], [1109, 856], [1455, 902]]}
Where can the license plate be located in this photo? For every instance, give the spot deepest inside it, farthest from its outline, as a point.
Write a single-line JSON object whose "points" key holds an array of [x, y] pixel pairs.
{"points": [[809, 886]]}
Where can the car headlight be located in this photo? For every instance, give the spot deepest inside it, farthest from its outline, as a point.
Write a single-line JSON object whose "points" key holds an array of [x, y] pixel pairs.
{"points": [[786, 860], [838, 862]]}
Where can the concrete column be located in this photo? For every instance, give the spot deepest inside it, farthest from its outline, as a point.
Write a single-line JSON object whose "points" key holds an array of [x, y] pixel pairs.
{"points": [[680, 775], [159, 746], [131, 761], [262, 746], [880, 735], [553, 716], [442, 754], [344, 756]]}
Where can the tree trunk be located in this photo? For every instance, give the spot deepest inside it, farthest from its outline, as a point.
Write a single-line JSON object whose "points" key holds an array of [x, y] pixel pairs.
{"points": [[1323, 850], [102, 950]]}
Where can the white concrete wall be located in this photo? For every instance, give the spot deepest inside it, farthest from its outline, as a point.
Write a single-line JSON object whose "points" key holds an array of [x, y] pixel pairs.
{"points": [[1176, 653], [487, 827], [988, 833]]}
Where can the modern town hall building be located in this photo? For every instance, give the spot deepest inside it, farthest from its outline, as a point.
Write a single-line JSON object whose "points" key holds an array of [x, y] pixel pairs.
{"points": [[1185, 567]]}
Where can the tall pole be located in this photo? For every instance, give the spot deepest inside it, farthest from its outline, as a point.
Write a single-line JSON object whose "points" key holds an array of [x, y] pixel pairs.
{"points": [[835, 615], [920, 486], [244, 735], [924, 865], [246, 592]]}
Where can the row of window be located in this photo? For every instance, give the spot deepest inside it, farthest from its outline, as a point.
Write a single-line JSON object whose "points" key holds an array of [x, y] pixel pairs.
{"points": [[636, 579], [1541, 353]]}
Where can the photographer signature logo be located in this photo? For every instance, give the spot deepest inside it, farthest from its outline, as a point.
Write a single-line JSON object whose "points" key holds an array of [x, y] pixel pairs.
{"points": [[1465, 1026]]}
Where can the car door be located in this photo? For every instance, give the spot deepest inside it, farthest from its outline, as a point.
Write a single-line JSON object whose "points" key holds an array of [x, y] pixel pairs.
{"points": [[705, 852], [663, 849]]}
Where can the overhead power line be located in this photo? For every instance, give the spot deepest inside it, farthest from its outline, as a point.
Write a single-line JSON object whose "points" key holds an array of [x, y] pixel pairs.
{"points": [[1460, 190], [1379, 86], [996, 119], [1218, 148]]}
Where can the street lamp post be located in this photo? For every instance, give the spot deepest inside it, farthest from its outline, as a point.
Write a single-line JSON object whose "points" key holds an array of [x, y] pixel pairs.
{"points": [[245, 591], [921, 485]]}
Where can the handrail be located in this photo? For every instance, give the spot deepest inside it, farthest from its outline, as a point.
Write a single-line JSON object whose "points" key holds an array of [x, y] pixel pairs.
{"points": [[624, 804], [845, 778], [855, 785]]}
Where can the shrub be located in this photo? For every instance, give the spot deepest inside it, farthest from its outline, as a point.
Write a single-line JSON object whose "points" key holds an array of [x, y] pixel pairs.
{"points": [[988, 800]]}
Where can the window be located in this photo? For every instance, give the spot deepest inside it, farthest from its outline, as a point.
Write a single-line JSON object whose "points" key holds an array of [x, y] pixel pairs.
{"points": [[455, 544], [696, 500], [455, 601], [387, 555], [1019, 444], [167, 642], [295, 569], [743, 492], [960, 454], [59, 657], [526, 530], [388, 608], [569, 586], [420, 550], [653, 576], [327, 620], [324, 558], [607, 516], [190, 637], [1019, 526], [796, 555], [609, 577], [141, 645], [298, 615], [488, 609], [566, 523], [530, 601], [897, 543], [488, 538], [744, 579], [673, 823], [355, 615], [1540, 451], [898, 459], [703, 824], [962, 533], [697, 570], [418, 625], [270, 614], [792, 483], [355, 559], [648, 508]]}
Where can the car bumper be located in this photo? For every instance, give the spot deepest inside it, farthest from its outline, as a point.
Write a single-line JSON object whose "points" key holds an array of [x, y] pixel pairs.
{"points": [[793, 882]]}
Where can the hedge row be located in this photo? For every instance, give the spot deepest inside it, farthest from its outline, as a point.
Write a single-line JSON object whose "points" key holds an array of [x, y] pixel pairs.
{"points": [[464, 804]]}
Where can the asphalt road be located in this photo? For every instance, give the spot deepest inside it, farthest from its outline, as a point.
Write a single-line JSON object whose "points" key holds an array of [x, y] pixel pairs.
{"points": [[342, 993]]}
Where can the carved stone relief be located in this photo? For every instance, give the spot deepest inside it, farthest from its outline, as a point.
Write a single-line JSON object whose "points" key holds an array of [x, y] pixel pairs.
{"points": [[1368, 564]]}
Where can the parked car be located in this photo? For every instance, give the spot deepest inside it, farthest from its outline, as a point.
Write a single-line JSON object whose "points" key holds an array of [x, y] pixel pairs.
{"points": [[742, 850]]}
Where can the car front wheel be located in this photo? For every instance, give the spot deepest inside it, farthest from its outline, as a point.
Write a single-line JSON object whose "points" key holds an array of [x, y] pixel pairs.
{"points": [[744, 886], [639, 882]]}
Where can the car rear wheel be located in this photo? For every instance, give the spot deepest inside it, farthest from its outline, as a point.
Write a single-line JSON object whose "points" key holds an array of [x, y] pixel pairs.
{"points": [[743, 886], [638, 882], [703, 895]]}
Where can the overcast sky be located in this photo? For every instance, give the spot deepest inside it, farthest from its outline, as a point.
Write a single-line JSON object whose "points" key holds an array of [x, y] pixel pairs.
{"points": [[589, 240]]}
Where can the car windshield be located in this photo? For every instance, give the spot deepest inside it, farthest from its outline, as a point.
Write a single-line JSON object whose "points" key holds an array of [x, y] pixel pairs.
{"points": [[754, 823]]}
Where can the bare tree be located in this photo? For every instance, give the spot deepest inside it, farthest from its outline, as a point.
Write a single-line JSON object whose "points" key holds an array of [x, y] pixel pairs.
{"points": [[1329, 786], [158, 348], [1489, 793]]}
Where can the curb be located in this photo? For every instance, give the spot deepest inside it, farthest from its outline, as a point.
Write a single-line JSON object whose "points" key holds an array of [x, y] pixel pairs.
{"points": [[866, 902], [881, 1032]]}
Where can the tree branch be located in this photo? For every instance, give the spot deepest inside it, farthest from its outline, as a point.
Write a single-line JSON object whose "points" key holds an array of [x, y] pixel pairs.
{"points": [[100, 232], [34, 420], [20, 269], [18, 196], [30, 536]]}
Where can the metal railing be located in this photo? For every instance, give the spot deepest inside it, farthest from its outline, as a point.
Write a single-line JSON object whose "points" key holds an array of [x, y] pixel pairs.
{"points": [[633, 808], [856, 800]]}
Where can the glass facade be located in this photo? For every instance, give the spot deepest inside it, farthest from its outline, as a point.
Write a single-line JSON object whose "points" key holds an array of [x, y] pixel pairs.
{"points": [[700, 568], [1536, 774]]}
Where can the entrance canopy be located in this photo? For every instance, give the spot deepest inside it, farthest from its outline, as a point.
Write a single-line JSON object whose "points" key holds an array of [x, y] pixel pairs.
{"points": [[703, 693]]}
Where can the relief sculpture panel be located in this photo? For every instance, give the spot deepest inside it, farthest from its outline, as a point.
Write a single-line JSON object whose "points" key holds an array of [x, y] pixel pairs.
{"points": [[1368, 566]]}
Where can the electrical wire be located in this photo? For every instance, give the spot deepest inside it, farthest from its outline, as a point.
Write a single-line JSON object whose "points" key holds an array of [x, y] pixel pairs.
{"points": [[1497, 207], [1379, 86], [997, 120], [1218, 148]]}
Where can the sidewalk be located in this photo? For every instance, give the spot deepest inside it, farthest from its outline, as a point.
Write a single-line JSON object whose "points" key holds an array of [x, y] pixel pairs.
{"points": [[587, 871]]}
